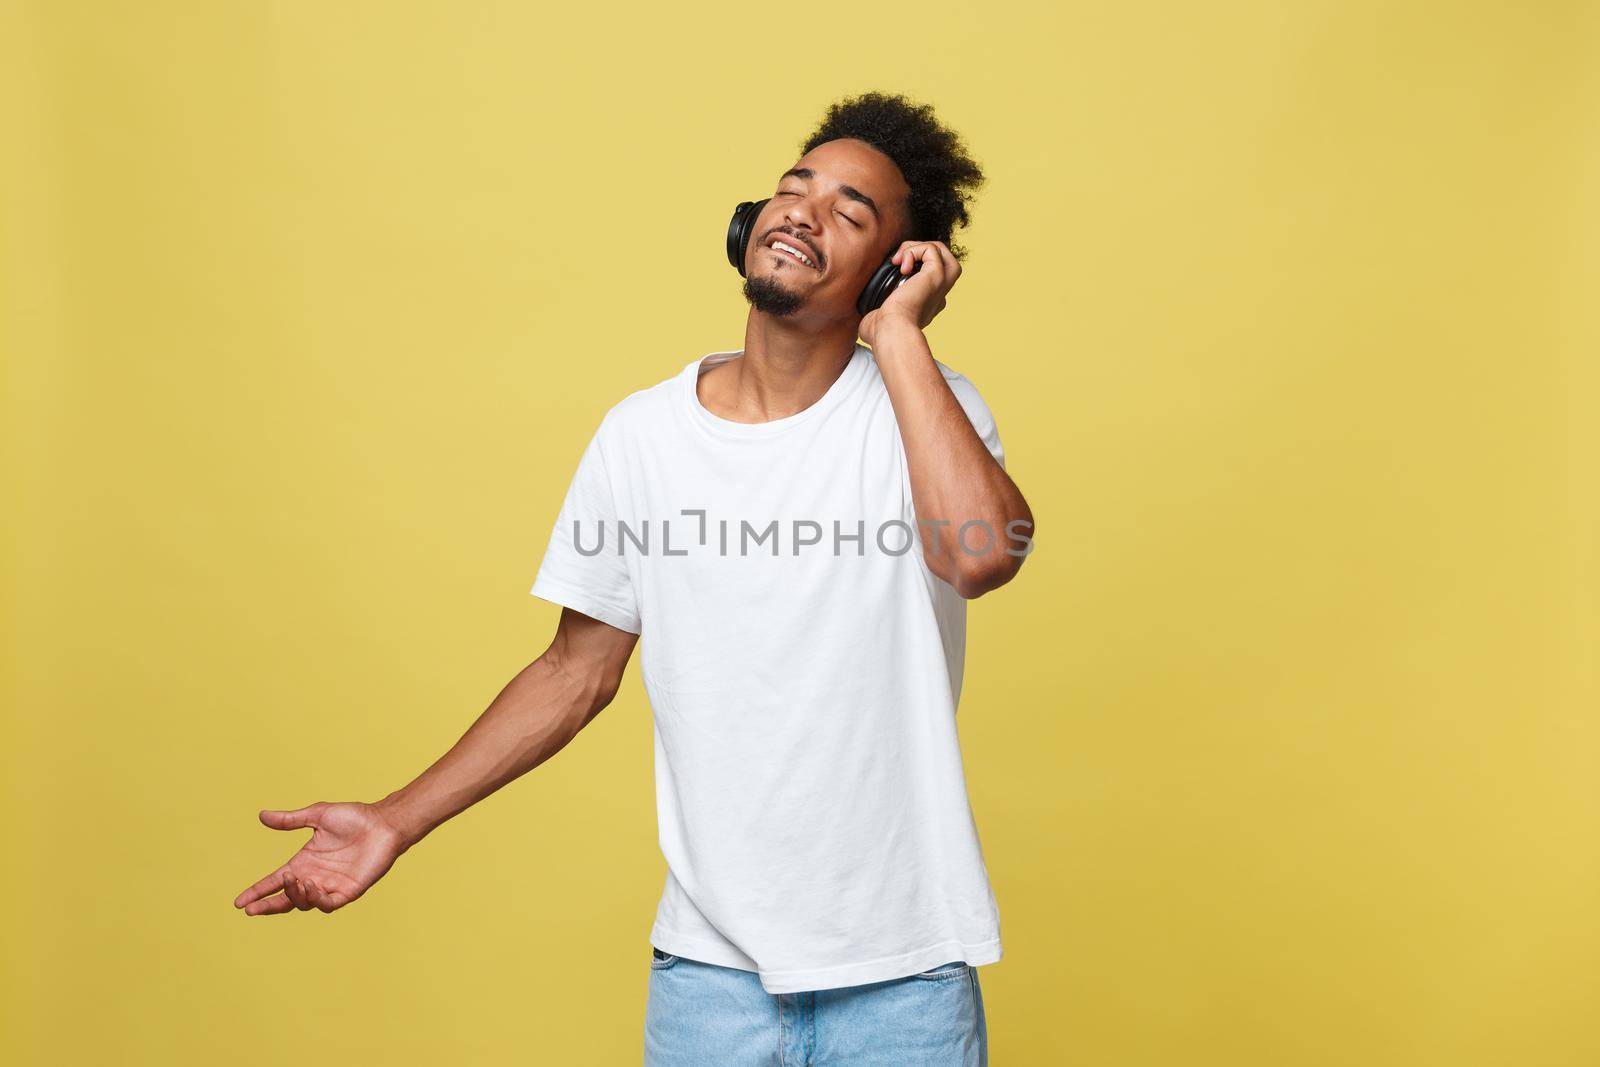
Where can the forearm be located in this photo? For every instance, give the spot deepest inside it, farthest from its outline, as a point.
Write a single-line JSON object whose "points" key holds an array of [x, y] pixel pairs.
{"points": [[954, 479], [534, 717]]}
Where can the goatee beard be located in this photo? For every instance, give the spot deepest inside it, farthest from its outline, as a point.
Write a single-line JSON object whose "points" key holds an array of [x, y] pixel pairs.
{"points": [[768, 296]]}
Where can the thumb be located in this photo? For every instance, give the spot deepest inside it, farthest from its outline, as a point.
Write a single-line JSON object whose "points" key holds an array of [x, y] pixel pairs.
{"points": [[298, 819]]}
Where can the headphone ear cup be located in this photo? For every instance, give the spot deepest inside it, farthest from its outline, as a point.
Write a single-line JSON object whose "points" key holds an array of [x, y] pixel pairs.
{"points": [[885, 280], [740, 228]]}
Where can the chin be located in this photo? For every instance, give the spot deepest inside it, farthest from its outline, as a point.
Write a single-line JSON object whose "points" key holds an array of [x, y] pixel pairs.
{"points": [[769, 297]]}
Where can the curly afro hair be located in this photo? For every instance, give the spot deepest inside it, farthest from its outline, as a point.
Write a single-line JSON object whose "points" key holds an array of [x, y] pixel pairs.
{"points": [[932, 159]]}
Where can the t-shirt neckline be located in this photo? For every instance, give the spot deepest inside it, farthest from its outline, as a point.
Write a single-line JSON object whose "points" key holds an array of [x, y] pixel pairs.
{"points": [[841, 386]]}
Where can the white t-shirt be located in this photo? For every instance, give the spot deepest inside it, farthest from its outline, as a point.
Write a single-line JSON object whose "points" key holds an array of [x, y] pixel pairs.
{"points": [[803, 666]]}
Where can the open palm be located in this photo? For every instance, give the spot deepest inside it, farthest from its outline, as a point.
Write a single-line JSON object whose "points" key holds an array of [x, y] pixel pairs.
{"points": [[351, 847]]}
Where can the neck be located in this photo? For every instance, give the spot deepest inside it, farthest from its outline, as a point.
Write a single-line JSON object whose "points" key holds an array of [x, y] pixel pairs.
{"points": [[787, 367]]}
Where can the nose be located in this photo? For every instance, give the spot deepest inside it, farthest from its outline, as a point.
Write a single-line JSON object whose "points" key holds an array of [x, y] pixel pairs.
{"points": [[799, 217]]}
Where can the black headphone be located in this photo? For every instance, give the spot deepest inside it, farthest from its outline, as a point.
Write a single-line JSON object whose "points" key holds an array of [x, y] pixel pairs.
{"points": [[884, 280]]}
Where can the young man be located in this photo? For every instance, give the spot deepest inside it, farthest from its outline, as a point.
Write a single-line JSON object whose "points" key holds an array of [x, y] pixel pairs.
{"points": [[794, 528]]}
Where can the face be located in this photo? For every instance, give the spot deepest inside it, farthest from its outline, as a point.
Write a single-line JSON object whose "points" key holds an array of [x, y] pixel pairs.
{"points": [[843, 208]]}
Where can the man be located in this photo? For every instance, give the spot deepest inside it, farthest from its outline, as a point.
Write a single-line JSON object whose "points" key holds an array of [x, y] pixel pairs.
{"points": [[794, 529]]}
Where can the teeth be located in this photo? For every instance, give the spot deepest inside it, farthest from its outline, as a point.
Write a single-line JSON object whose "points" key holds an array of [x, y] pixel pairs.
{"points": [[792, 250]]}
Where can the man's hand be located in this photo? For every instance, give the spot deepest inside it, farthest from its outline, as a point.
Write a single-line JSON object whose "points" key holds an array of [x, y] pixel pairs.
{"points": [[351, 847], [533, 718], [921, 297]]}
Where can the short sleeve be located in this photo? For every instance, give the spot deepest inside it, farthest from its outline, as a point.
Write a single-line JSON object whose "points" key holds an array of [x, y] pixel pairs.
{"points": [[977, 412], [582, 568]]}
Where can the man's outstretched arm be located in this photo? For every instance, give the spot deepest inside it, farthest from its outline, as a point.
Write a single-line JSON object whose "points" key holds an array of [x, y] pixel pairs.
{"points": [[536, 714]]}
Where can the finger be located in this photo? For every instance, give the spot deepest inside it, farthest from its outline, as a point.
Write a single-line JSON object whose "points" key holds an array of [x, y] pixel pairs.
{"points": [[298, 819], [928, 261], [273, 905], [317, 897], [904, 255], [270, 884], [292, 889]]}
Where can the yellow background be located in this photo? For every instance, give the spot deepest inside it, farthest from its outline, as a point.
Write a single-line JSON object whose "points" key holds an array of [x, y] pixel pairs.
{"points": [[1283, 747]]}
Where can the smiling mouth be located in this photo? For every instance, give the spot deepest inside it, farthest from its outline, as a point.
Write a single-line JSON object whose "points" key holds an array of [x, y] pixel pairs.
{"points": [[794, 252]]}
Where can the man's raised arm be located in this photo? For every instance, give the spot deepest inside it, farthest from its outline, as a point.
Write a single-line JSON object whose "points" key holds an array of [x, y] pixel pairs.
{"points": [[540, 710]]}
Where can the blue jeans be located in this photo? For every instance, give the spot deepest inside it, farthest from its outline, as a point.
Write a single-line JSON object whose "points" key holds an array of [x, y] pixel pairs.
{"points": [[701, 1014]]}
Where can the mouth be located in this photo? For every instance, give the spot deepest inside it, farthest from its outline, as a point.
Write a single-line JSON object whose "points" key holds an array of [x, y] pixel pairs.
{"points": [[793, 249]]}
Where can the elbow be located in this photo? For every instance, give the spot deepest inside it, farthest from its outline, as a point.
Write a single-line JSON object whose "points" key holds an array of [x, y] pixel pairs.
{"points": [[601, 689], [610, 683], [979, 576], [587, 687], [984, 573]]}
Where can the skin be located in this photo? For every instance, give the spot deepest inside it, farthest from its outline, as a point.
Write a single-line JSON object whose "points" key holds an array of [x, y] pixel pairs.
{"points": [[789, 363]]}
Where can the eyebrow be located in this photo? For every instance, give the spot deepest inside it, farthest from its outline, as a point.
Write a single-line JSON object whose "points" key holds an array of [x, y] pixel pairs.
{"points": [[848, 190]]}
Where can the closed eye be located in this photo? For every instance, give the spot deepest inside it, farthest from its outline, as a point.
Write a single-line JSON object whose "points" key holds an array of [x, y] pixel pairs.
{"points": [[842, 215]]}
